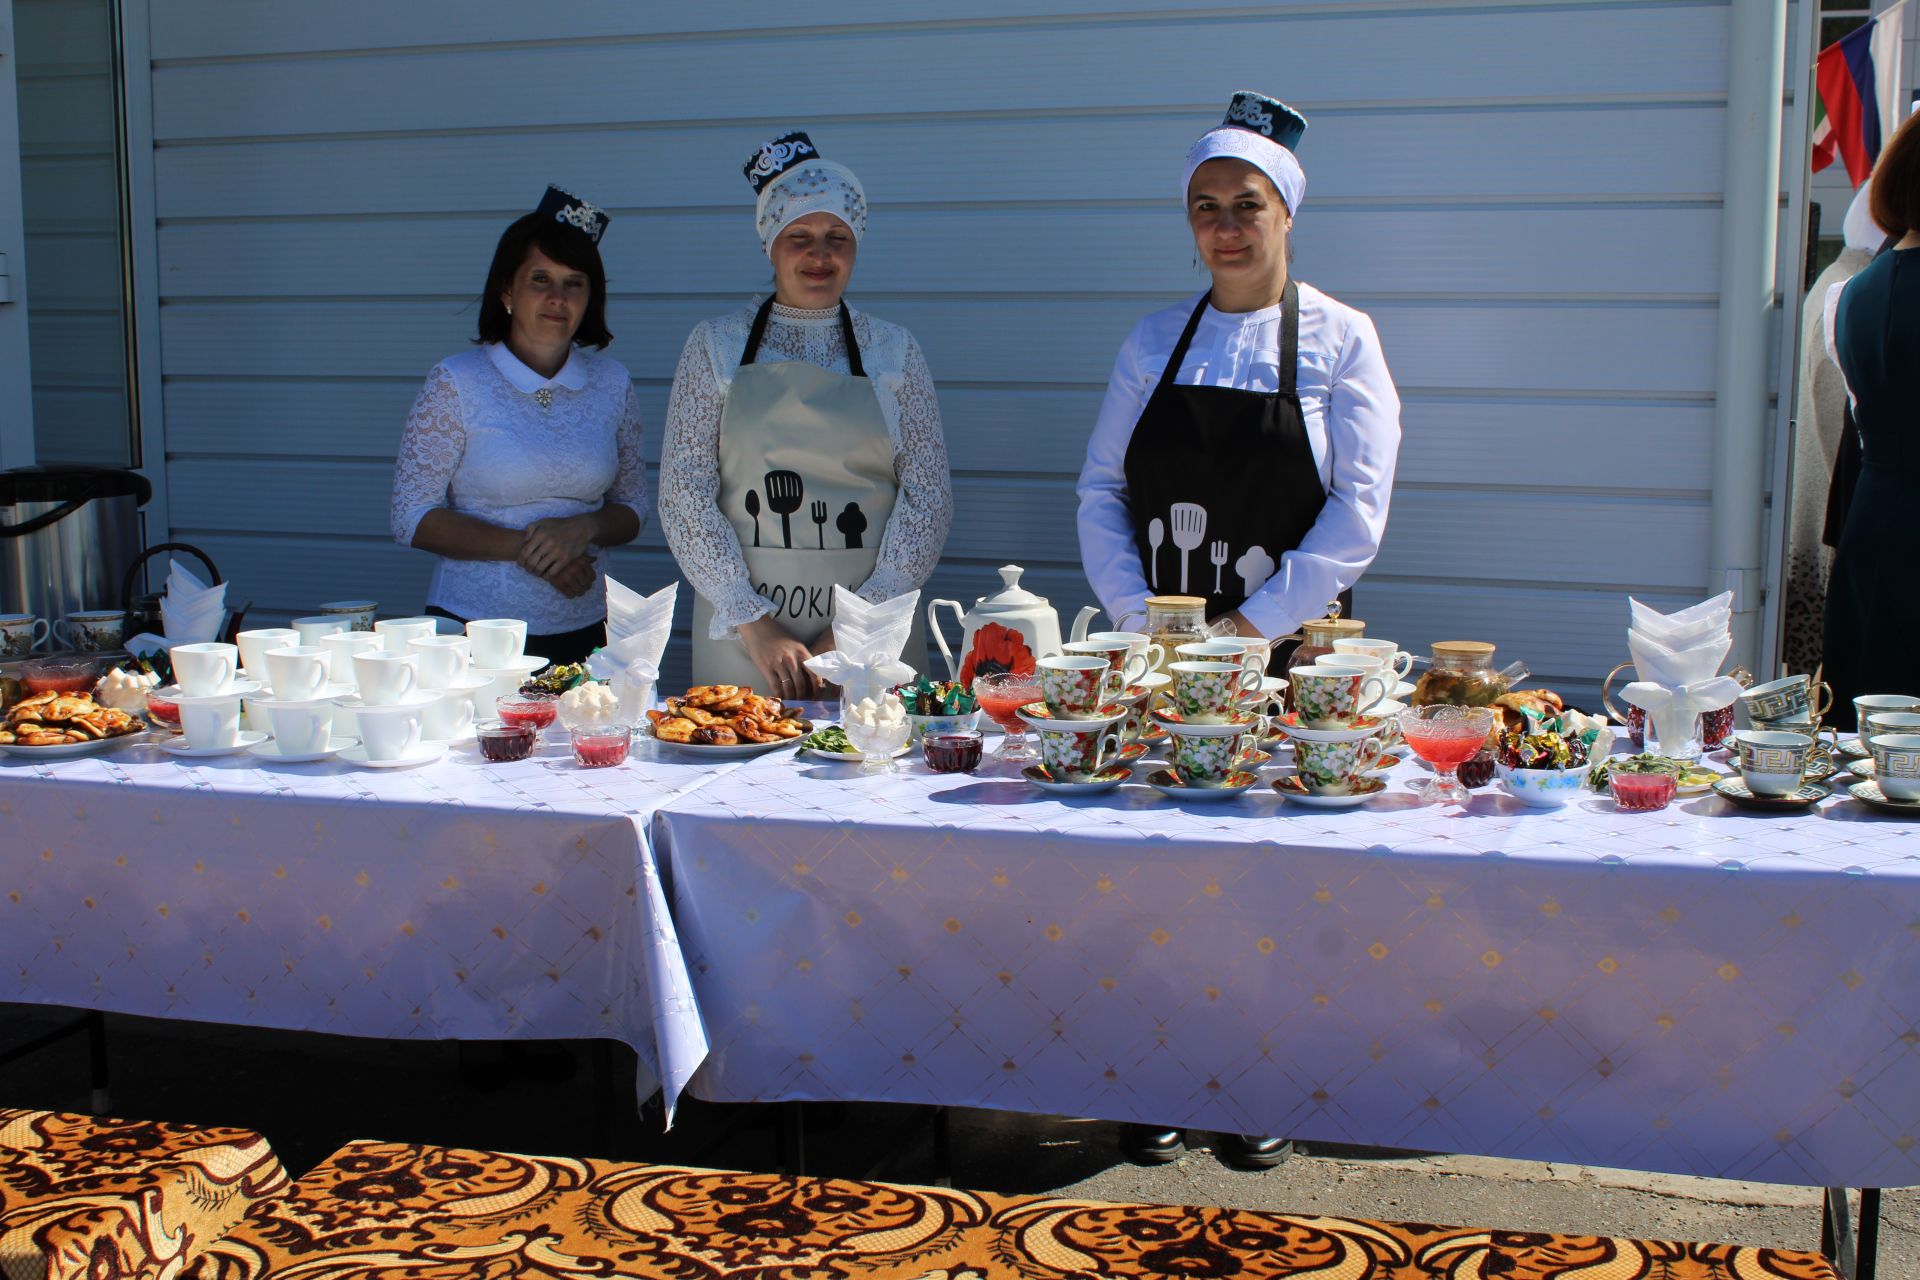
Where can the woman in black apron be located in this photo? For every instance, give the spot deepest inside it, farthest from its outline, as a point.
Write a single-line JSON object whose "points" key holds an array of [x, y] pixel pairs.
{"points": [[803, 445], [1246, 448], [1245, 451]]}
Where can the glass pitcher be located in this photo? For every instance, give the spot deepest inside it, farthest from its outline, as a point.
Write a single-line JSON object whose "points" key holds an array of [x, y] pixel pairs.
{"points": [[1462, 674]]}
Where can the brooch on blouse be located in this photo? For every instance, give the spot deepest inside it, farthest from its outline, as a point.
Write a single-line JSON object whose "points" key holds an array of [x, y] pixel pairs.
{"points": [[545, 396]]}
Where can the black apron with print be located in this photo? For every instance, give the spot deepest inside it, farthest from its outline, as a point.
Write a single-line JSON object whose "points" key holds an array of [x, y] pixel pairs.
{"points": [[1221, 482]]}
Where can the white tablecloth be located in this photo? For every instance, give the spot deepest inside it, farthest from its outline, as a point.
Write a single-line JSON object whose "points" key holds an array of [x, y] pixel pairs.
{"points": [[1699, 990], [456, 899]]}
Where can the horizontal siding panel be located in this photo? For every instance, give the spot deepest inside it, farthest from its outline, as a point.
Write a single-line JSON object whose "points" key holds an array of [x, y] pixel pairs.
{"points": [[1431, 533], [77, 350], [226, 28], [1676, 51], [1657, 350], [66, 115], [1393, 154], [1445, 441], [1132, 250]]}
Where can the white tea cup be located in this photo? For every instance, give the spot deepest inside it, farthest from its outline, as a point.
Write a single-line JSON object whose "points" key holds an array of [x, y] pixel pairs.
{"points": [[210, 721], [497, 641], [442, 660], [1392, 657], [394, 633], [301, 727], [340, 647], [254, 645], [297, 672], [385, 677], [205, 669], [449, 717], [390, 733], [312, 630]]}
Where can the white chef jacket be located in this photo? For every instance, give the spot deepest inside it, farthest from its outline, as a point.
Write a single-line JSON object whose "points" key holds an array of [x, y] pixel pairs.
{"points": [[1352, 415]]}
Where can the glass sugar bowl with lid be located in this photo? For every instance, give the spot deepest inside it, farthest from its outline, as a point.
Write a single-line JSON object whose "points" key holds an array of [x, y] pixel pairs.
{"points": [[1462, 674]]}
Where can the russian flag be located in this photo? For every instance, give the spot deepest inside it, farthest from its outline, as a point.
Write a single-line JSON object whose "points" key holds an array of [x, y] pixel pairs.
{"points": [[1858, 82]]}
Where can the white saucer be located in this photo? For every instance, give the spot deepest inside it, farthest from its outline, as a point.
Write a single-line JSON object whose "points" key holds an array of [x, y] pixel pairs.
{"points": [[465, 684], [417, 698], [526, 664], [427, 753], [272, 751], [243, 688], [331, 690], [246, 741]]}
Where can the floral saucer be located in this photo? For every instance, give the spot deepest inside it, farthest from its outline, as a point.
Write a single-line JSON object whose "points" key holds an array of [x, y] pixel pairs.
{"points": [[1132, 751], [1736, 790], [1040, 716], [1105, 780], [1152, 735], [1253, 759], [1362, 727], [1236, 722], [1145, 687], [1295, 790], [1870, 794], [1168, 783]]}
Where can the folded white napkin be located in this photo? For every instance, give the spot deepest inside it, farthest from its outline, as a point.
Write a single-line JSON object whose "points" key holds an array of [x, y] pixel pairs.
{"points": [[865, 661], [1686, 627], [191, 611], [638, 628]]}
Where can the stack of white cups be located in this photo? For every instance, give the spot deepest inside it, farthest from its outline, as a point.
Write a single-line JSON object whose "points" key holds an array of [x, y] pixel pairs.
{"points": [[209, 697], [445, 667], [499, 656]]}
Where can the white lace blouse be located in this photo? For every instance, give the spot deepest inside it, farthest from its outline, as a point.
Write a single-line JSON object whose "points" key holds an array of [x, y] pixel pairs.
{"points": [[479, 443], [703, 539]]}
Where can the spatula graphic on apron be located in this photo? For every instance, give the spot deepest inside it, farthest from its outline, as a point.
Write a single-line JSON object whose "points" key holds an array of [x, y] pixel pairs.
{"points": [[784, 493]]}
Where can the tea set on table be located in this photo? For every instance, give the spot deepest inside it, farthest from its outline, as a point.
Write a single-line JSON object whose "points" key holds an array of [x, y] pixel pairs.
{"points": [[390, 697], [1785, 765]]}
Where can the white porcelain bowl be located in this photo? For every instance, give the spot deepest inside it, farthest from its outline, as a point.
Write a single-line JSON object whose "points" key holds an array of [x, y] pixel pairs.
{"points": [[1542, 788]]}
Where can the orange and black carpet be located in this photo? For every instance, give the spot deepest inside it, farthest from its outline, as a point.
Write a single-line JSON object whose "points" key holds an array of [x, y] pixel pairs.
{"points": [[88, 1199], [399, 1212]]}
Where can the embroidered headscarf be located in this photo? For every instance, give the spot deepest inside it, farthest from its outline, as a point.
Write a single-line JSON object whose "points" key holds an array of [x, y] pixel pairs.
{"points": [[791, 181], [1262, 131]]}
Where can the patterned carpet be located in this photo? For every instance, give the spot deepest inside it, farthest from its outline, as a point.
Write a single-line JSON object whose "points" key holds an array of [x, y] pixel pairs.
{"points": [[95, 1199], [403, 1212]]}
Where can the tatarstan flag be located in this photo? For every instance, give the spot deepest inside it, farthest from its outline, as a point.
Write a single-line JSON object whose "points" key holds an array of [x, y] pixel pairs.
{"points": [[1857, 79]]}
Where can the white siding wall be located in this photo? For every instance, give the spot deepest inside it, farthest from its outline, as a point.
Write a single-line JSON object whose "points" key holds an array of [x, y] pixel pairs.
{"points": [[1525, 197]]}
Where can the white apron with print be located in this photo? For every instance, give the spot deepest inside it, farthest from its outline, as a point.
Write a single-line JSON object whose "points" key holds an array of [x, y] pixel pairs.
{"points": [[807, 480]]}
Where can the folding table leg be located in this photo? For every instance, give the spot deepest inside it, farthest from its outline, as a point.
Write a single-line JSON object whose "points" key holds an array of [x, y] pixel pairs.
{"points": [[97, 1061], [1869, 1245], [792, 1156], [1837, 1243], [942, 1148]]}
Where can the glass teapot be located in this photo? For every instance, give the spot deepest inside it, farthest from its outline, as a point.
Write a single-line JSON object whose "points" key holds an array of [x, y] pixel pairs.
{"points": [[1462, 674], [1172, 621], [1316, 636]]}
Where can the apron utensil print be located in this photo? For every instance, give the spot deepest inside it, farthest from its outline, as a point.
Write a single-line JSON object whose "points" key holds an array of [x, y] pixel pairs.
{"points": [[816, 442]]}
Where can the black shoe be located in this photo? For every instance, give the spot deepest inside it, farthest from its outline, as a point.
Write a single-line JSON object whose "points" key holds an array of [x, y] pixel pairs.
{"points": [[1144, 1144], [1248, 1151]]}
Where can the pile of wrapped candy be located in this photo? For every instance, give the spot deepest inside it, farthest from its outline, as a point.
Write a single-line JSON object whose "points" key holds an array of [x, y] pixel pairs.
{"points": [[1556, 742], [928, 697]]}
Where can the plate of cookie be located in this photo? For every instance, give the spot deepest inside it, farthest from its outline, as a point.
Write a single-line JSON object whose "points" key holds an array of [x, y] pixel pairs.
{"points": [[52, 726], [727, 721]]}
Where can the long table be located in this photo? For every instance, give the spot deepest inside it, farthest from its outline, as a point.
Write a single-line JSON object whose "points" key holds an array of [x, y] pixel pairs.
{"points": [[1699, 991], [451, 900]]}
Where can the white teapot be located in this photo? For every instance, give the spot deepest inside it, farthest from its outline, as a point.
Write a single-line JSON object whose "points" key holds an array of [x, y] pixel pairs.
{"points": [[1000, 626]]}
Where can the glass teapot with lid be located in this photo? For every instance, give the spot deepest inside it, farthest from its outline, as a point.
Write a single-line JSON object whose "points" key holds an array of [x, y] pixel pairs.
{"points": [[1316, 636]]}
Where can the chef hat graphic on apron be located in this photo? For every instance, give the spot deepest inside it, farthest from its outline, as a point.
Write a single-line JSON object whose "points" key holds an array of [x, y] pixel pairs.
{"points": [[791, 180], [1262, 131]]}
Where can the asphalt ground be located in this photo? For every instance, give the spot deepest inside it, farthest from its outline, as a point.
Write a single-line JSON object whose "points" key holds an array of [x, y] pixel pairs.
{"points": [[310, 1093]]}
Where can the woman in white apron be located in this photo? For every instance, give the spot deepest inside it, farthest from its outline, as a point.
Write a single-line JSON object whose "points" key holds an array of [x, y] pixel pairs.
{"points": [[803, 445]]}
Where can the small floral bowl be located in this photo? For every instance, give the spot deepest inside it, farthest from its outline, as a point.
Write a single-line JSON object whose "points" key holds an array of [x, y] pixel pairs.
{"points": [[964, 722], [1542, 788]]}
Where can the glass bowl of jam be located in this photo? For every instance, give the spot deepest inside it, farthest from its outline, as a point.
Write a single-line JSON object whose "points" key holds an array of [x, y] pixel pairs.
{"points": [[601, 746], [535, 710], [501, 741], [954, 751]]}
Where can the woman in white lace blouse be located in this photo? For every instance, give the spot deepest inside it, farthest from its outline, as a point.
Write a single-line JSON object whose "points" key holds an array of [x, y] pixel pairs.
{"points": [[803, 444], [521, 458]]}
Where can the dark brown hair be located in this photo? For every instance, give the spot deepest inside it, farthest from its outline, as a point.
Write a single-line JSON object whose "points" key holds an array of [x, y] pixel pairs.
{"points": [[566, 245], [1895, 199]]}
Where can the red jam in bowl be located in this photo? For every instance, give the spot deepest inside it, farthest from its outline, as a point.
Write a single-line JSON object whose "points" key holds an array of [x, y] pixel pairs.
{"points": [[951, 752], [602, 746], [502, 741], [161, 708], [1643, 792], [50, 675], [535, 710]]}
